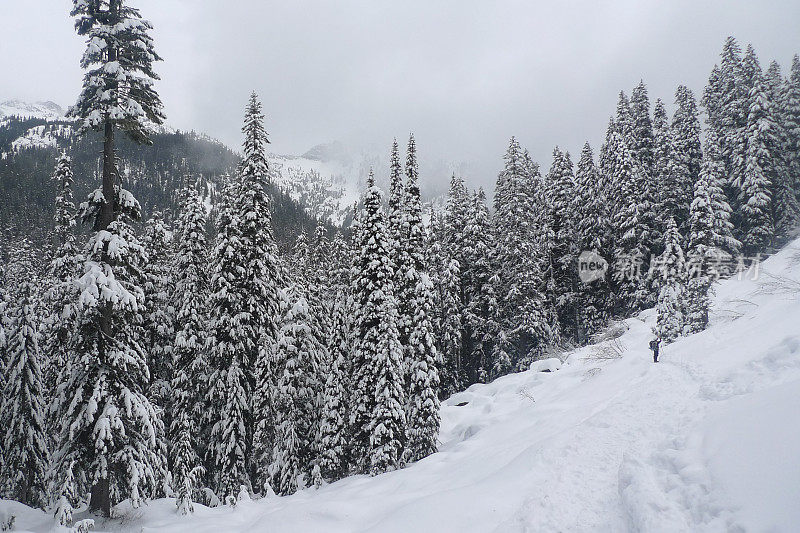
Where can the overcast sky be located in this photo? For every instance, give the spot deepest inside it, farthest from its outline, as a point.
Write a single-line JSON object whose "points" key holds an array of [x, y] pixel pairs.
{"points": [[462, 75]]}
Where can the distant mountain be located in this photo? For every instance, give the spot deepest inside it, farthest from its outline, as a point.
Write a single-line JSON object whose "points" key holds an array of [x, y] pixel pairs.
{"points": [[32, 134], [43, 110]]}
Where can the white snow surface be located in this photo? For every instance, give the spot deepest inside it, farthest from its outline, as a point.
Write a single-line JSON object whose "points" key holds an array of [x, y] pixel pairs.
{"points": [[706, 440]]}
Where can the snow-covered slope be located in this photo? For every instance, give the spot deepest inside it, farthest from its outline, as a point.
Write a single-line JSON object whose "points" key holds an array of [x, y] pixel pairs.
{"points": [[705, 440], [43, 110]]}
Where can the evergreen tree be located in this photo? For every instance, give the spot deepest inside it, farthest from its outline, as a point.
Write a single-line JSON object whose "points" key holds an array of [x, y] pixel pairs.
{"points": [[447, 311], [686, 127], [109, 444], [713, 174], [519, 257], [110, 434], [642, 148], [244, 310], [24, 438], [561, 192], [702, 254], [189, 379], [423, 403], [688, 155], [624, 122], [479, 303], [377, 418], [591, 230], [415, 293], [66, 498], [395, 219], [792, 124], [296, 408], [64, 267], [333, 425], [230, 340], [756, 186], [672, 270], [785, 208], [643, 153], [733, 112], [159, 316], [629, 250]]}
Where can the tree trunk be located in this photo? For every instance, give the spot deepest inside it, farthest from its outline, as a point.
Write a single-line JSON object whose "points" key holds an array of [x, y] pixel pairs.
{"points": [[101, 498], [109, 177], [101, 494]]}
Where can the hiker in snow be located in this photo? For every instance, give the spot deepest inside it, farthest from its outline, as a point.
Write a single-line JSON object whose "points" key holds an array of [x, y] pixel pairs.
{"points": [[654, 346]]}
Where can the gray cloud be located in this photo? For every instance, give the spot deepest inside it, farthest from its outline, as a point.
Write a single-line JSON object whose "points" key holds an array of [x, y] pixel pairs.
{"points": [[463, 75]]}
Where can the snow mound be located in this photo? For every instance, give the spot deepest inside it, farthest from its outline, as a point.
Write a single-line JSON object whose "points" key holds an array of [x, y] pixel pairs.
{"points": [[705, 440], [546, 365]]}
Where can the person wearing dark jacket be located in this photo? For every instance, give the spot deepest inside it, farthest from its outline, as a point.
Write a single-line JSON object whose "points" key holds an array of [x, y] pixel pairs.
{"points": [[654, 346]]}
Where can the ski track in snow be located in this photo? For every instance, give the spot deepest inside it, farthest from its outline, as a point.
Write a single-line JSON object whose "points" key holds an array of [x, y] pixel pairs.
{"points": [[706, 440]]}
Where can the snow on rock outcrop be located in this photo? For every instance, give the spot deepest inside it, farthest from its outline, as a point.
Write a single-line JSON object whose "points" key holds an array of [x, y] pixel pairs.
{"points": [[44, 136], [323, 187]]}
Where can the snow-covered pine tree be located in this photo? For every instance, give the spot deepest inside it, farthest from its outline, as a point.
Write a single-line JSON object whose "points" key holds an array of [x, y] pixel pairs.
{"points": [[189, 365], [591, 230], [785, 208], [686, 127], [447, 311], [118, 88], [64, 267], [520, 254], [670, 178], [25, 453], [160, 314], [333, 425], [230, 339], [629, 250], [453, 264], [672, 270], [415, 294], [244, 307], [66, 498], [406, 249], [297, 354], [733, 108], [395, 215], [702, 254], [561, 191], [110, 433], [685, 130], [756, 185], [113, 444], [792, 124], [643, 154], [479, 303], [377, 417], [624, 121], [713, 172], [642, 148]]}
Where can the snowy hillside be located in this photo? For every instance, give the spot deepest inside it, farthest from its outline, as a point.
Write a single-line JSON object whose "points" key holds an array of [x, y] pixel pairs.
{"points": [[705, 440], [43, 110]]}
